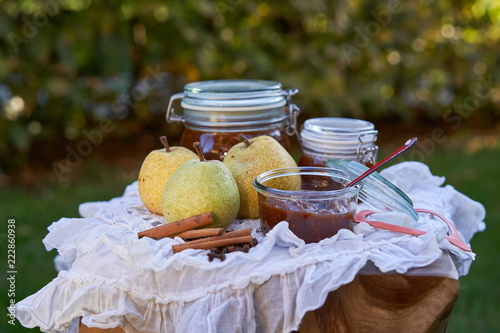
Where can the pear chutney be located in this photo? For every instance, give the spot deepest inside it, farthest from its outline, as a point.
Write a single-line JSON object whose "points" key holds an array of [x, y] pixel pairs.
{"points": [[305, 219], [216, 112], [318, 210]]}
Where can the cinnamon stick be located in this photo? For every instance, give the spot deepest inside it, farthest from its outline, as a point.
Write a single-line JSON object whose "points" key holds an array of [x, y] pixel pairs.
{"points": [[231, 234], [200, 233], [177, 227], [205, 245]]}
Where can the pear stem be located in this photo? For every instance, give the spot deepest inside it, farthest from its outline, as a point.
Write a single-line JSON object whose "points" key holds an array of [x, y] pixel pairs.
{"points": [[164, 140], [245, 140], [197, 147]]}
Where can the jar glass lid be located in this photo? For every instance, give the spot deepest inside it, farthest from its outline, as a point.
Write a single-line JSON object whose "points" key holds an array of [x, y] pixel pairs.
{"points": [[377, 192], [233, 94], [231, 86], [338, 131], [332, 134], [333, 125]]}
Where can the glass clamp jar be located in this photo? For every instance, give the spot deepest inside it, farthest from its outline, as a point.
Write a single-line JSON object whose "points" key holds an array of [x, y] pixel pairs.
{"points": [[338, 138], [216, 112]]}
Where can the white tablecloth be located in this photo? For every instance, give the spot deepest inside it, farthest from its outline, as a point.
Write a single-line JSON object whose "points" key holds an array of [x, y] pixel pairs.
{"points": [[115, 279]]}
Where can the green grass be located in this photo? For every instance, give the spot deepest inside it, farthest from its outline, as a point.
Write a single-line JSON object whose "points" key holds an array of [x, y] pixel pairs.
{"points": [[476, 175]]}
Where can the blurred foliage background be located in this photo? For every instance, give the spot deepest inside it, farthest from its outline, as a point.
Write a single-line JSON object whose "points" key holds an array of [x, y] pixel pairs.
{"points": [[67, 65], [71, 67]]}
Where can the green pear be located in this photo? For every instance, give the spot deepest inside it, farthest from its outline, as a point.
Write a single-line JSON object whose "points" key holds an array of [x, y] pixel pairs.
{"points": [[156, 169], [200, 186], [250, 158]]}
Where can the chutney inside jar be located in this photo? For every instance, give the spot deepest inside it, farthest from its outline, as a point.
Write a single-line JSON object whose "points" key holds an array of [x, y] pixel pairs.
{"points": [[215, 143], [313, 200], [308, 157]]}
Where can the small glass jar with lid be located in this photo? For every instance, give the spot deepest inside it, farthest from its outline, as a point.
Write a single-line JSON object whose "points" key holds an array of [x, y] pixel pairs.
{"points": [[328, 138], [216, 112]]}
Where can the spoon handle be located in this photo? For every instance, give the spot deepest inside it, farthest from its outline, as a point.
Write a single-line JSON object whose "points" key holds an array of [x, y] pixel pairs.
{"points": [[386, 160]]}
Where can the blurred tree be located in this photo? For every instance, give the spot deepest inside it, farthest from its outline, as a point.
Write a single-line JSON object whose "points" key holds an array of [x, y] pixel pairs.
{"points": [[65, 65]]}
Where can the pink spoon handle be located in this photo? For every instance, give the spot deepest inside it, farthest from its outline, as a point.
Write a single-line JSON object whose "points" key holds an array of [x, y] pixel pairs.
{"points": [[454, 238], [386, 160], [361, 217]]}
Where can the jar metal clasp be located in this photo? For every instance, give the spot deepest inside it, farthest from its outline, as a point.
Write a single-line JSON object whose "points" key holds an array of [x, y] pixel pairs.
{"points": [[293, 111], [171, 115], [362, 154]]}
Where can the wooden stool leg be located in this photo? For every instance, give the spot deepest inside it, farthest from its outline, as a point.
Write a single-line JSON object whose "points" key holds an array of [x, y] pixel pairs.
{"points": [[389, 303]]}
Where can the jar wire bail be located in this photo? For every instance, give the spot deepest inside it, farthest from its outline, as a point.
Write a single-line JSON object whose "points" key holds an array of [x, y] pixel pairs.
{"points": [[361, 155], [171, 116], [293, 111]]}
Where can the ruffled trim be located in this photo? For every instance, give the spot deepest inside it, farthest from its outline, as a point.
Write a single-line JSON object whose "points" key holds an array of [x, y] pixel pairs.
{"points": [[109, 290]]}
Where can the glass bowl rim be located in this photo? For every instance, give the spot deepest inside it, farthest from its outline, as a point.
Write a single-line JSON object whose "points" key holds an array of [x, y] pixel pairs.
{"points": [[306, 171]]}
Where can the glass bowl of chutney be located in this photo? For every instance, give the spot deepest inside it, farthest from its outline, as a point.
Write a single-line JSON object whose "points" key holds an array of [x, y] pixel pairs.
{"points": [[313, 200]]}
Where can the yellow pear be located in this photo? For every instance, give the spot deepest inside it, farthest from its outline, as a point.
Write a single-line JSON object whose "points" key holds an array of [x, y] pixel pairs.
{"points": [[156, 169], [200, 186], [250, 158]]}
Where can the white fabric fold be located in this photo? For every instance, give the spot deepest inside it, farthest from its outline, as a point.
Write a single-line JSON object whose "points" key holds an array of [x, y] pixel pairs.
{"points": [[116, 279], [425, 190]]}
